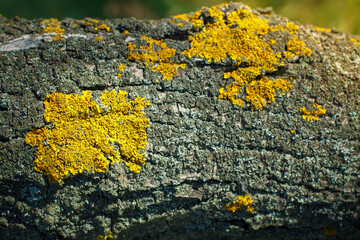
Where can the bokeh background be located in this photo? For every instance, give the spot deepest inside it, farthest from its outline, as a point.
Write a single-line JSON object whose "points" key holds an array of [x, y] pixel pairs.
{"points": [[341, 14]]}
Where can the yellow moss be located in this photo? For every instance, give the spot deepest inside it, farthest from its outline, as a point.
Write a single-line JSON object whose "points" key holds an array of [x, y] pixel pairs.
{"points": [[312, 115], [157, 54], [52, 25], [86, 137], [240, 203], [103, 26]]}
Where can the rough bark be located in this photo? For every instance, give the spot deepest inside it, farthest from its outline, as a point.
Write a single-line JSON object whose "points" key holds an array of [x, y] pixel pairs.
{"points": [[202, 152]]}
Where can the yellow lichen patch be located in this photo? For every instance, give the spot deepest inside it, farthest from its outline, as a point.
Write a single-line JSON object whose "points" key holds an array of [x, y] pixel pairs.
{"points": [[121, 68], [320, 29], [292, 28], [108, 236], [312, 115], [241, 202], [355, 41], [193, 18], [85, 137], [103, 26], [240, 36], [272, 42], [157, 54], [92, 20], [52, 25], [58, 37], [88, 21], [182, 17], [288, 54], [294, 44], [279, 28], [261, 91], [99, 38]]}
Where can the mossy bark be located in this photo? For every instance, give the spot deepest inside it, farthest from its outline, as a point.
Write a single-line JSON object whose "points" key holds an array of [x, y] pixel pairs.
{"points": [[202, 152]]}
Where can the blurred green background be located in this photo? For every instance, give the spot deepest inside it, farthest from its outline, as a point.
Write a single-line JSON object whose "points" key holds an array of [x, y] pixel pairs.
{"points": [[341, 14]]}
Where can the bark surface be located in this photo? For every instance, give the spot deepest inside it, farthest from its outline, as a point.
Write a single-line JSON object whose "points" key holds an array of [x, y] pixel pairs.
{"points": [[202, 152]]}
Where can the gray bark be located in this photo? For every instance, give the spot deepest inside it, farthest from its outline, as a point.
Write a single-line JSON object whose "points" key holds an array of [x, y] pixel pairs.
{"points": [[202, 152]]}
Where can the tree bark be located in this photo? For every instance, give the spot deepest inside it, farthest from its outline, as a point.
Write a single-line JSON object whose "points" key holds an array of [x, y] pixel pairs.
{"points": [[202, 152]]}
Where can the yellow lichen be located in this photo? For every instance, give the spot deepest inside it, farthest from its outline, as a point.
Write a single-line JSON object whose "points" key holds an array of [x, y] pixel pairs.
{"points": [[108, 236], [272, 42], [58, 37], [121, 68], [312, 115], [240, 203], [292, 27], [355, 41], [52, 25], [85, 137], [279, 28], [92, 20], [88, 21], [182, 17], [99, 38], [239, 35], [294, 44], [193, 18], [288, 54], [320, 29], [103, 26], [157, 54]]}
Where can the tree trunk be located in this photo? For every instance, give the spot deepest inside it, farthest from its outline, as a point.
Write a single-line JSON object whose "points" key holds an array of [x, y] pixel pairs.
{"points": [[300, 167]]}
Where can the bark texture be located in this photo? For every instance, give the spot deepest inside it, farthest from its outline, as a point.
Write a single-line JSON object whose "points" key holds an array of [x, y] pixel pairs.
{"points": [[202, 152]]}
